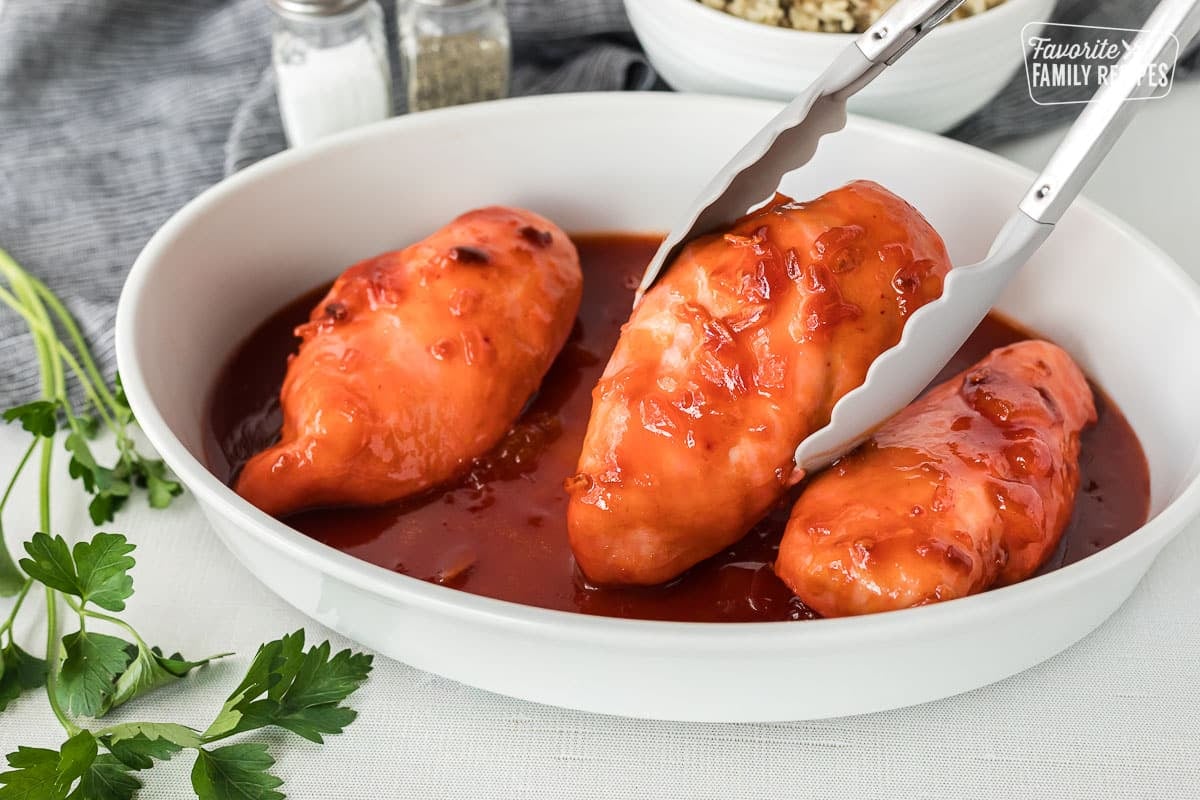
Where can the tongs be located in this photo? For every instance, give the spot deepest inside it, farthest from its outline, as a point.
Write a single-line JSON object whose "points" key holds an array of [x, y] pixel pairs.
{"points": [[934, 332]]}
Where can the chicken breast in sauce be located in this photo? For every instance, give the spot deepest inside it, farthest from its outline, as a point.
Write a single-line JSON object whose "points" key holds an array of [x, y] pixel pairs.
{"points": [[419, 361], [969, 487], [738, 353]]}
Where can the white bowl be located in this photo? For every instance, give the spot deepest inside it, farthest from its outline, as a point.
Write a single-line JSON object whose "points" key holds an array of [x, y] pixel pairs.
{"points": [[632, 162], [946, 77]]}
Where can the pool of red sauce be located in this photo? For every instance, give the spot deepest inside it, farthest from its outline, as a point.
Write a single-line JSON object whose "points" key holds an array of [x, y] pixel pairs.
{"points": [[501, 531]]}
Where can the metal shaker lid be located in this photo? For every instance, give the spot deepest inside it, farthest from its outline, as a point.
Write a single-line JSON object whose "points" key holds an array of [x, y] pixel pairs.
{"points": [[314, 8]]}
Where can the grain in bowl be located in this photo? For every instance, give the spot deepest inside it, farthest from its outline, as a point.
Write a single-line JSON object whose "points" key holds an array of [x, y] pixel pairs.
{"points": [[830, 16]]}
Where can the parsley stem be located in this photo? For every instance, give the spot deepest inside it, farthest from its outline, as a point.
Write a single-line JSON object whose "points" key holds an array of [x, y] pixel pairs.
{"points": [[72, 329], [46, 339], [8, 567], [52, 380], [44, 492], [20, 467], [53, 656], [53, 662], [40, 340], [216, 737], [120, 623], [32, 293], [10, 573], [12, 615]]}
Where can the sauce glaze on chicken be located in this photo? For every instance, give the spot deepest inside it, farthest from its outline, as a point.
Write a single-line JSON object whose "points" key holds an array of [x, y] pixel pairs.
{"points": [[739, 352], [417, 362], [969, 487]]}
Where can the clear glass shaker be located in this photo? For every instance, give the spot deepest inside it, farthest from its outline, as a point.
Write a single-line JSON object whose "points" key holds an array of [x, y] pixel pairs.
{"points": [[454, 51], [331, 66]]}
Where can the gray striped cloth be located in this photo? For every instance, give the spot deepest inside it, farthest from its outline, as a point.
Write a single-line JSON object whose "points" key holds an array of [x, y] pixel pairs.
{"points": [[114, 113]]}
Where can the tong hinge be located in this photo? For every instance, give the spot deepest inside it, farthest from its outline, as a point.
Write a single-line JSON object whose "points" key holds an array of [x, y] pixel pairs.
{"points": [[906, 24]]}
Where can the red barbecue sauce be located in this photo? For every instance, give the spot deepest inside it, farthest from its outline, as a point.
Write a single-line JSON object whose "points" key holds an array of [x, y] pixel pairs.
{"points": [[501, 531]]}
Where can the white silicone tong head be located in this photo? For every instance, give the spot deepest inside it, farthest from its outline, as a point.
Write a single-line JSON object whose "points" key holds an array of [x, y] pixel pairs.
{"points": [[935, 331]]}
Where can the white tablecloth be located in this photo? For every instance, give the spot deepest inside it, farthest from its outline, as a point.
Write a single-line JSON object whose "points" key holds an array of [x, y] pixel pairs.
{"points": [[1118, 715]]}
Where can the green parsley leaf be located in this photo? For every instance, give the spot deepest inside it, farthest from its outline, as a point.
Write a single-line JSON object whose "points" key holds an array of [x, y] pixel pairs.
{"points": [[303, 690], [179, 666], [309, 706], [103, 566], [93, 662], [39, 418], [106, 779], [77, 754], [87, 424], [12, 579], [96, 572], [19, 672], [110, 487], [83, 465], [104, 507], [34, 776], [322, 679], [178, 735], [149, 670], [271, 662], [161, 488], [235, 772], [50, 562], [140, 752], [41, 774], [124, 412], [313, 721]]}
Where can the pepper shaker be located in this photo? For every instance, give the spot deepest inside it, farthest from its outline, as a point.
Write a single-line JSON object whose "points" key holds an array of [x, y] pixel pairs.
{"points": [[331, 66], [453, 51]]}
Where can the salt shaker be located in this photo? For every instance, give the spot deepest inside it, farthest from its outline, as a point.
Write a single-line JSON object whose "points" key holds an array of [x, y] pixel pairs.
{"points": [[454, 51], [331, 66]]}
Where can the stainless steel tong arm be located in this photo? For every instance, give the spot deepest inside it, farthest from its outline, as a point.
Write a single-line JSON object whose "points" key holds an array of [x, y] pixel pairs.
{"points": [[935, 331], [790, 139]]}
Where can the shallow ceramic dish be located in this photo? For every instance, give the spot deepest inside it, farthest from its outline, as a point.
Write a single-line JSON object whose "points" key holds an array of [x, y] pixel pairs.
{"points": [[631, 162], [955, 71]]}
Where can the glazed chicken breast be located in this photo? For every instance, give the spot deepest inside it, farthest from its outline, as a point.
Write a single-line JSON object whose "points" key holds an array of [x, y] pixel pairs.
{"points": [[969, 487], [738, 353], [418, 361]]}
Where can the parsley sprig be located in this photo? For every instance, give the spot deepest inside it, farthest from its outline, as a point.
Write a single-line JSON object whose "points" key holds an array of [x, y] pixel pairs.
{"points": [[99, 671], [88, 671], [62, 352], [286, 687]]}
